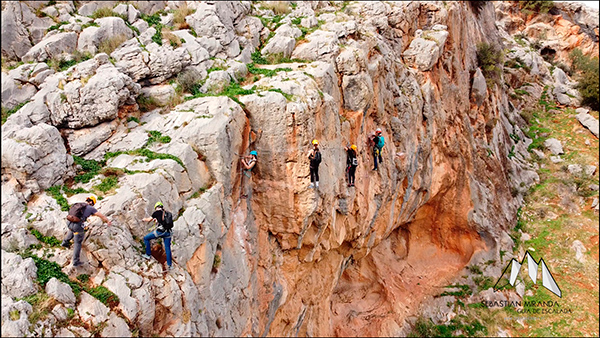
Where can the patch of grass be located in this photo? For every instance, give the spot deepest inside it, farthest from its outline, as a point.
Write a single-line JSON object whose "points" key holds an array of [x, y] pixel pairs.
{"points": [[286, 95], [188, 80], [232, 91], [104, 295], [179, 16], [84, 278], [157, 37], [146, 103], [257, 58], [538, 6], [252, 69], [50, 240], [106, 12], [278, 7], [458, 326], [57, 26], [47, 270], [464, 291], [15, 315], [152, 20], [216, 262], [199, 192], [156, 136], [89, 169], [107, 184], [60, 64], [56, 193], [483, 283], [134, 119], [150, 155], [109, 45], [89, 24], [8, 112]]}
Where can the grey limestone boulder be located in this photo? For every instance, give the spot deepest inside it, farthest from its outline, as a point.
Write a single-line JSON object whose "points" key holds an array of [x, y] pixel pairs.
{"points": [[89, 8], [479, 88], [128, 305], [60, 291], [84, 140], [94, 95], [589, 122], [554, 146], [18, 275], [127, 10], [425, 50], [15, 37], [321, 46], [117, 327], [109, 28], [53, 46], [36, 153], [90, 308]]}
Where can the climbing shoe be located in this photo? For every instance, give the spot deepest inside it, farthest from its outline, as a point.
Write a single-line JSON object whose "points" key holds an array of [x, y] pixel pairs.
{"points": [[65, 244], [146, 256]]}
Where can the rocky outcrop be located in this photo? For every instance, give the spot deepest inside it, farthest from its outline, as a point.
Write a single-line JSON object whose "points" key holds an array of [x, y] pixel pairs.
{"points": [[566, 27]]}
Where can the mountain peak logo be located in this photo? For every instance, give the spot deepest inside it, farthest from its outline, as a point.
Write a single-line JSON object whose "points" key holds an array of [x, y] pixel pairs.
{"points": [[532, 266]]}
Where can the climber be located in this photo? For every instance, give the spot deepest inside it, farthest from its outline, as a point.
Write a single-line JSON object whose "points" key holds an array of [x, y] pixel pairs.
{"points": [[377, 142], [77, 230], [248, 162], [314, 155], [351, 163], [165, 223]]}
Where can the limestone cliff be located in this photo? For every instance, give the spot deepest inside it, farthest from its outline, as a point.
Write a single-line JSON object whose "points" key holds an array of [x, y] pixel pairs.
{"points": [[288, 260]]}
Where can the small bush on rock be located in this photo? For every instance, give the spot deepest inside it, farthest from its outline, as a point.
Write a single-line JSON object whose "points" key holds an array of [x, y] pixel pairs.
{"points": [[586, 69], [490, 59], [108, 46]]}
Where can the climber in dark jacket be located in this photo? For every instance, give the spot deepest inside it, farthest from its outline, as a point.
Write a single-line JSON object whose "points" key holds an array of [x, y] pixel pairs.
{"points": [[351, 164], [314, 155]]}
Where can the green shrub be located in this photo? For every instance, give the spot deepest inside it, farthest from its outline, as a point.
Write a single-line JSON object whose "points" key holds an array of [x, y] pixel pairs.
{"points": [[50, 240], [56, 193], [537, 6], [152, 20], [157, 37], [89, 169], [156, 136], [57, 26], [188, 80], [586, 69], [490, 59]]}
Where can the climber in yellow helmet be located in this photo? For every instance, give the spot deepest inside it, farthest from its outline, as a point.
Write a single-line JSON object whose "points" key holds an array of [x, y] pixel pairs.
{"points": [[351, 163], [314, 155], [78, 214]]}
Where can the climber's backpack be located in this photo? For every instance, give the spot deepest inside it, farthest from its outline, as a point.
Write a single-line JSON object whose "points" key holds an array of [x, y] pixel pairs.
{"points": [[167, 220], [76, 212], [317, 158], [380, 142]]}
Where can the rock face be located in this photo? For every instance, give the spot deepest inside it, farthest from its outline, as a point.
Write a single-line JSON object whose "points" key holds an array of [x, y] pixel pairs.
{"points": [[287, 260]]}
